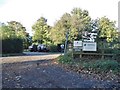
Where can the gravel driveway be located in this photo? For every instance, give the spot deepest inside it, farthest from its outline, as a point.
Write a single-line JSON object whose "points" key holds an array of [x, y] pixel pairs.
{"points": [[41, 71]]}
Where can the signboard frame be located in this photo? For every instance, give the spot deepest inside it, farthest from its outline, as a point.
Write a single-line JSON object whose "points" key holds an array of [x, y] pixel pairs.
{"points": [[77, 43], [89, 46]]}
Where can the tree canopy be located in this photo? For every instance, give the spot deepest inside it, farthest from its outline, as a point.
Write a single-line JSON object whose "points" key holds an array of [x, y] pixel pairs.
{"points": [[107, 29], [14, 30], [77, 22], [18, 28], [41, 30]]}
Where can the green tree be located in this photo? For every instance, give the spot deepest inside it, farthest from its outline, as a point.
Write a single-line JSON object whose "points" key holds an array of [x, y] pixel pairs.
{"points": [[27, 41], [107, 29], [61, 27], [6, 32], [20, 31], [41, 30], [80, 22], [75, 23], [18, 28], [11, 43]]}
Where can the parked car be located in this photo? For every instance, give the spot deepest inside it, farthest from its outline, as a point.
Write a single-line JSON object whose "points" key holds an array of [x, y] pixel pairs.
{"points": [[42, 48], [32, 48]]}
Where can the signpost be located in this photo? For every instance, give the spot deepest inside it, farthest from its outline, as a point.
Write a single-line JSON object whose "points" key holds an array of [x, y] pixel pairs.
{"points": [[77, 43]]}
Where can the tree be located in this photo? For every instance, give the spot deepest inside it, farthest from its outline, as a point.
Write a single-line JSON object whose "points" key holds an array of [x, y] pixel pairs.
{"points": [[41, 30], [18, 28], [80, 22], [6, 32], [11, 43], [27, 41], [107, 29], [75, 23], [61, 27], [20, 31]]}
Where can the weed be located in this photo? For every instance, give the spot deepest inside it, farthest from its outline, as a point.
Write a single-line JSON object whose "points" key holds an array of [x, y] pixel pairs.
{"points": [[65, 59]]}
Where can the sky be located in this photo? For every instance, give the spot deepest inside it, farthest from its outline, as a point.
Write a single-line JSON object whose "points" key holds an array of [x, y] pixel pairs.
{"points": [[27, 12]]}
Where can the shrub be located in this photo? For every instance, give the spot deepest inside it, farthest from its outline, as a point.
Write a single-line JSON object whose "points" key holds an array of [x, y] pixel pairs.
{"points": [[103, 65], [65, 59], [12, 45], [53, 48]]}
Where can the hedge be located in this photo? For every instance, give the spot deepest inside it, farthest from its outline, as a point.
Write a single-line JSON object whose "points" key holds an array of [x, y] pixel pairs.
{"points": [[13, 45]]}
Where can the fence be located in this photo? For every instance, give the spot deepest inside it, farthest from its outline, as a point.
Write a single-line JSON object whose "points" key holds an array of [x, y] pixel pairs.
{"points": [[104, 50]]}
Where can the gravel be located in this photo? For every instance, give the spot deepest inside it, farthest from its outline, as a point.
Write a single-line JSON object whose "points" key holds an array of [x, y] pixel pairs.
{"points": [[43, 72]]}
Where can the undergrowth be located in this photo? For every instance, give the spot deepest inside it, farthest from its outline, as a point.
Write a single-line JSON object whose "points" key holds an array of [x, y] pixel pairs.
{"points": [[95, 65], [65, 59]]}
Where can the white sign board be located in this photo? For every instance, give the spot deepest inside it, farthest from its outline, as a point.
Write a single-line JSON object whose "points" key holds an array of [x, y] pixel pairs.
{"points": [[77, 43], [89, 46], [78, 48]]}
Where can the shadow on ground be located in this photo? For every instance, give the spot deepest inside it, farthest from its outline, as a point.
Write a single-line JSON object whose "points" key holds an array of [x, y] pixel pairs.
{"points": [[45, 74]]}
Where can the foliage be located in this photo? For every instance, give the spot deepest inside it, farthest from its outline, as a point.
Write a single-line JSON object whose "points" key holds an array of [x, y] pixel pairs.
{"points": [[80, 22], [6, 32], [65, 59], [75, 23], [112, 51], [94, 66], [18, 28], [27, 41], [103, 65], [20, 32], [53, 48], [11, 43], [41, 30], [107, 29], [14, 45], [58, 32]]}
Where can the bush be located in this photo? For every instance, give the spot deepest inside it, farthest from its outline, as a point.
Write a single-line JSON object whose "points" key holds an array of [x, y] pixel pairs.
{"points": [[103, 65], [112, 51], [53, 48], [12, 45], [65, 59]]}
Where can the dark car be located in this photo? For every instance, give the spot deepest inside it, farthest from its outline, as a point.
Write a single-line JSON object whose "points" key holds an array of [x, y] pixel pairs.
{"points": [[32, 48], [42, 48]]}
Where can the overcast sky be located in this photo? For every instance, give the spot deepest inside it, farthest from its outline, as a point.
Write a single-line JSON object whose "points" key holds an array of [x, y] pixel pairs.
{"points": [[28, 11]]}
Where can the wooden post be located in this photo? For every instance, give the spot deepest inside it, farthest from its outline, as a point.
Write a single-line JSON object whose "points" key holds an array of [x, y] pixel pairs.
{"points": [[102, 51], [80, 54], [102, 55]]}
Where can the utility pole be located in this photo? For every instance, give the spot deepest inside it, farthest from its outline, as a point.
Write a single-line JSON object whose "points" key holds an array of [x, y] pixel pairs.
{"points": [[67, 27], [67, 34]]}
